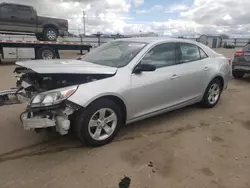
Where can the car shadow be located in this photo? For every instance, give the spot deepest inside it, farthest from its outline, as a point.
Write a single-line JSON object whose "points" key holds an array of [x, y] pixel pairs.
{"points": [[246, 78], [54, 143]]}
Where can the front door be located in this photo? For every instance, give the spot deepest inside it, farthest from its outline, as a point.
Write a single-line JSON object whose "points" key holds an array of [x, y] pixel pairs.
{"points": [[154, 91]]}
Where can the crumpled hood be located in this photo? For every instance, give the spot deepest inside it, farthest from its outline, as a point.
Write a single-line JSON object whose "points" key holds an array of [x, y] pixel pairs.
{"points": [[66, 66]]}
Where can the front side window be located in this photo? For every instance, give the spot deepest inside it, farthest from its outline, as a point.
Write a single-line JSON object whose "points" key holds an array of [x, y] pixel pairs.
{"points": [[115, 53], [188, 52], [161, 55]]}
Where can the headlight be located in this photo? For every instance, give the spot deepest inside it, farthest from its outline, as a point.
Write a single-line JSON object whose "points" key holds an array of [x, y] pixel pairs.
{"points": [[52, 97]]}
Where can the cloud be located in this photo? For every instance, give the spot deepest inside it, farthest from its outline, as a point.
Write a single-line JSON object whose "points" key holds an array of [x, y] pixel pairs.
{"points": [[152, 9], [220, 13], [137, 3], [176, 8], [112, 16]]}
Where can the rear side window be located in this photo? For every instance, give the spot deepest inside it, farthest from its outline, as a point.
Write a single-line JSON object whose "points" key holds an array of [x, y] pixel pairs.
{"points": [[188, 52], [5, 9], [202, 54], [22, 10], [161, 55]]}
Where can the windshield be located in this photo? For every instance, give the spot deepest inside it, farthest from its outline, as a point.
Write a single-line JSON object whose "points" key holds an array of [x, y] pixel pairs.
{"points": [[114, 54]]}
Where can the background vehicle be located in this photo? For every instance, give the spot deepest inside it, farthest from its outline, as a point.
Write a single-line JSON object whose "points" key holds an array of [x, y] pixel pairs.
{"points": [[23, 18], [20, 49], [229, 45], [158, 75], [241, 62]]}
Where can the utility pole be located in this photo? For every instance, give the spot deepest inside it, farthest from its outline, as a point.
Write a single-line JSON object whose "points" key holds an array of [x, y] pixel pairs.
{"points": [[84, 14]]}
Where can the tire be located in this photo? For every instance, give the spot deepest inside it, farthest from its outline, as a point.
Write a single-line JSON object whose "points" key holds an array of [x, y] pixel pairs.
{"points": [[50, 34], [207, 100], [1, 101], [46, 53], [237, 74], [86, 133]]}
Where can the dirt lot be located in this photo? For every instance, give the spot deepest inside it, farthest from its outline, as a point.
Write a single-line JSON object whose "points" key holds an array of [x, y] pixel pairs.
{"points": [[191, 147]]}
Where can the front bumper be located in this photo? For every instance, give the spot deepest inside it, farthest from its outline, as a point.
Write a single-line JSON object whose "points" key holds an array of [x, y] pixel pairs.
{"points": [[55, 116]]}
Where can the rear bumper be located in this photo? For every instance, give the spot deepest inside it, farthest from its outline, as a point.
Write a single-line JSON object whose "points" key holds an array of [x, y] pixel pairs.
{"points": [[242, 68], [63, 33]]}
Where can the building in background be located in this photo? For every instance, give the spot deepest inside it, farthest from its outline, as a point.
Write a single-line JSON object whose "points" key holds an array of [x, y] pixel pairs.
{"points": [[211, 41]]}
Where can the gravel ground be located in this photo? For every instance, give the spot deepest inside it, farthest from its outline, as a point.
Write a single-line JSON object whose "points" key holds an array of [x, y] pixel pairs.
{"points": [[190, 147]]}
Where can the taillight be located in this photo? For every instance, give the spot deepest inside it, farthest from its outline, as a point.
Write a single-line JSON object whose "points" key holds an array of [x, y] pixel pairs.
{"points": [[229, 61], [239, 53]]}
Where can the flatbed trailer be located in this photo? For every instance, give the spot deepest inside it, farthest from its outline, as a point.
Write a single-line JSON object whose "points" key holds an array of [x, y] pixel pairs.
{"points": [[29, 49]]}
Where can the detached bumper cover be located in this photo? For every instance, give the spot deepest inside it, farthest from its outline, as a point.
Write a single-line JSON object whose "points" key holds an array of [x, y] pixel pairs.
{"points": [[36, 122], [55, 116]]}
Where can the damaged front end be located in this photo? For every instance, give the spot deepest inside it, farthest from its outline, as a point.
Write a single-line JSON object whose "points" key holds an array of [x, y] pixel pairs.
{"points": [[55, 116], [46, 95]]}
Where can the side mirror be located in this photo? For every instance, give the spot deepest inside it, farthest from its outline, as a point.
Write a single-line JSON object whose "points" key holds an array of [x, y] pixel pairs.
{"points": [[144, 68]]}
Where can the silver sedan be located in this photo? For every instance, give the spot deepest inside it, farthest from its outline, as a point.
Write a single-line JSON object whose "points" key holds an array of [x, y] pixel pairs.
{"points": [[135, 78]]}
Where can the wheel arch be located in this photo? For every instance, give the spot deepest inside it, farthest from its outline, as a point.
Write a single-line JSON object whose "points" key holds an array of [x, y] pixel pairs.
{"points": [[220, 78], [50, 25], [117, 100]]}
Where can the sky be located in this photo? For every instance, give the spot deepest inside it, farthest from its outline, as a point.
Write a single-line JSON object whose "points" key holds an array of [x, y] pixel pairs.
{"points": [[164, 17]]}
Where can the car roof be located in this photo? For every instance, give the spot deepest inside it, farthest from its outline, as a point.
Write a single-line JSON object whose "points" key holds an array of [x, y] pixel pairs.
{"points": [[16, 4], [156, 39]]}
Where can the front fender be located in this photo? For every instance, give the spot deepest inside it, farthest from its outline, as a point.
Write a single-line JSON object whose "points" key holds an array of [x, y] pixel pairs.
{"points": [[87, 93]]}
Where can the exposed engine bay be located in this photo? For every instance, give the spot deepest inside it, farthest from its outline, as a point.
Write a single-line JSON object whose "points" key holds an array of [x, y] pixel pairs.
{"points": [[34, 82], [46, 95]]}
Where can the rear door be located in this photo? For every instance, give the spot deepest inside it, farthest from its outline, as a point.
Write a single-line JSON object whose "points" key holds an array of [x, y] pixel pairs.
{"points": [[8, 18], [193, 71]]}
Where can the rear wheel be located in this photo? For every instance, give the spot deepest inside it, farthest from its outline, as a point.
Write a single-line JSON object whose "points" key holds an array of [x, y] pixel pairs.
{"points": [[50, 34], [212, 94], [99, 123], [238, 74]]}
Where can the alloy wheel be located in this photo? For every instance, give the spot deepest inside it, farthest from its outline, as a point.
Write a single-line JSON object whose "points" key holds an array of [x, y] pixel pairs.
{"points": [[214, 93], [102, 124]]}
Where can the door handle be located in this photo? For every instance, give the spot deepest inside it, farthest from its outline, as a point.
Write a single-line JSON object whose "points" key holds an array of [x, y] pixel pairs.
{"points": [[12, 17], [174, 76], [206, 69]]}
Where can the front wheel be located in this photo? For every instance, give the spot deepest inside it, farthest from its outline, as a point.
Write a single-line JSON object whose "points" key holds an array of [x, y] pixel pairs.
{"points": [[99, 123], [212, 94]]}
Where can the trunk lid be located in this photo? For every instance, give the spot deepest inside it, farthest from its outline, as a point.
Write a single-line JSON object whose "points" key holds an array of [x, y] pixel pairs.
{"points": [[66, 66]]}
